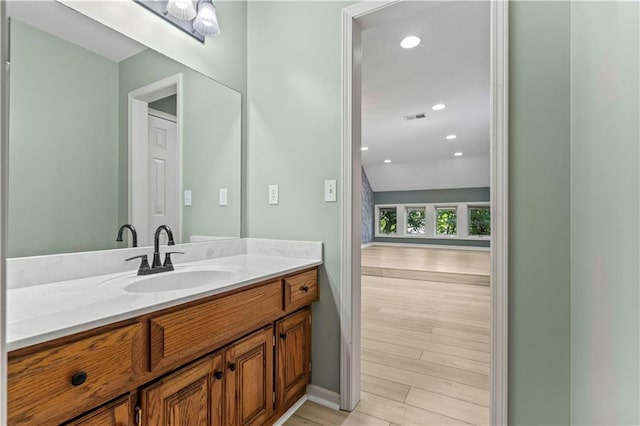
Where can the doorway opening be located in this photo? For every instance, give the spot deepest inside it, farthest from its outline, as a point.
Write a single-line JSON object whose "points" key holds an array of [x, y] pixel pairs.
{"points": [[155, 158], [469, 217]]}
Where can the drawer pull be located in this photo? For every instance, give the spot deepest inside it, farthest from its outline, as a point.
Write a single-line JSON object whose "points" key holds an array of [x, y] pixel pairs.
{"points": [[305, 288], [232, 366], [283, 335], [218, 374], [78, 378]]}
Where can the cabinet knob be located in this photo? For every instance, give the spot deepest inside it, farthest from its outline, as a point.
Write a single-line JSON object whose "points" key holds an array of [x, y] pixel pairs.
{"points": [[78, 378], [305, 288], [218, 375], [232, 366], [283, 335]]}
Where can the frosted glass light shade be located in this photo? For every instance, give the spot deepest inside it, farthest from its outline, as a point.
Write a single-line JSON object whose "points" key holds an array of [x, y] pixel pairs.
{"points": [[182, 9], [206, 23]]}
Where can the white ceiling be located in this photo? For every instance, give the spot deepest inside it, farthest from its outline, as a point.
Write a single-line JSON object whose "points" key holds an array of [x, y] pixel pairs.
{"points": [[450, 66], [67, 24]]}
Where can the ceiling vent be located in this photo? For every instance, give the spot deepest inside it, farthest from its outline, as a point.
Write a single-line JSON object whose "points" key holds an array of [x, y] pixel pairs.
{"points": [[415, 116]]}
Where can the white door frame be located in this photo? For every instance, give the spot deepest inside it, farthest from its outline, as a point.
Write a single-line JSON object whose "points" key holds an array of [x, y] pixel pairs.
{"points": [[350, 206], [138, 113]]}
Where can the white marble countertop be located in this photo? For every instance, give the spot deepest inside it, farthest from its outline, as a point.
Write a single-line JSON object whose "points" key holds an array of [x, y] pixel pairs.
{"points": [[43, 312]]}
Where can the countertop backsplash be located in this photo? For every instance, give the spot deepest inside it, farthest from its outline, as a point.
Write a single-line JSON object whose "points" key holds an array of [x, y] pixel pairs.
{"points": [[36, 270]]}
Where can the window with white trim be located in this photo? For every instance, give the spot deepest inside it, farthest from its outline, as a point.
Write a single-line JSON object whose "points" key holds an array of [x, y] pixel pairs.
{"points": [[416, 220], [479, 221], [463, 221], [446, 221], [387, 220]]}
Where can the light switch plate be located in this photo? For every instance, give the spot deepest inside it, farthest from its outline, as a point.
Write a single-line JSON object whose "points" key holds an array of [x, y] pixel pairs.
{"points": [[223, 196], [330, 195], [187, 197], [273, 194]]}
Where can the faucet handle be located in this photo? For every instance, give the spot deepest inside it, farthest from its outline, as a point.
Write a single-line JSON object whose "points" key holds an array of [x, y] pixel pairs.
{"points": [[144, 264], [167, 258]]}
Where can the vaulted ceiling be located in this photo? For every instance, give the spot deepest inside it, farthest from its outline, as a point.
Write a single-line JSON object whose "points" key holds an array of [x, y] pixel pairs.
{"points": [[451, 67]]}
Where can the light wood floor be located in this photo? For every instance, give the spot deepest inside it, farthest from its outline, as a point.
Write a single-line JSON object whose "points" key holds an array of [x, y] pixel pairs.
{"points": [[429, 264], [425, 353]]}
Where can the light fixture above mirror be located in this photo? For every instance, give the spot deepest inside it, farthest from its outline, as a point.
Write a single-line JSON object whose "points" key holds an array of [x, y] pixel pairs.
{"points": [[197, 18]]}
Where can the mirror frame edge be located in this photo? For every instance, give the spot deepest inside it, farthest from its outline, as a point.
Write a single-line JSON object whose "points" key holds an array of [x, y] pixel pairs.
{"points": [[4, 150]]}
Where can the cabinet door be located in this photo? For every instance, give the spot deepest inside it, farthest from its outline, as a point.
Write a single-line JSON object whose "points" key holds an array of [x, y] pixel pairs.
{"points": [[293, 335], [188, 397], [117, 413], [249, 379]]}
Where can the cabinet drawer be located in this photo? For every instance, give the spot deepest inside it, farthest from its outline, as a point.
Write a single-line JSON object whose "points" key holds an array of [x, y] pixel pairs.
{"points": [[300, 290], [47, 387], [190, 332], [117, 413]]}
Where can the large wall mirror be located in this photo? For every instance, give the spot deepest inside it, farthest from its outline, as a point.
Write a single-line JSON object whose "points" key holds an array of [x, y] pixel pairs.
{"points": [[105, 131]]}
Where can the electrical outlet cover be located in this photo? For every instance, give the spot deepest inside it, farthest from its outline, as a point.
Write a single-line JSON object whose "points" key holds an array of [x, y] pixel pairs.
{"points": [[273, 194], [223, 196]]}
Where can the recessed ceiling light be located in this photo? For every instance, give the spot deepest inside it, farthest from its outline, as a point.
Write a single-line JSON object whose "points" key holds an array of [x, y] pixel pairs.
{"points": [[387, 161], [364, 148], [438, 107], [410, 42], [458, 154], [451, 137]]}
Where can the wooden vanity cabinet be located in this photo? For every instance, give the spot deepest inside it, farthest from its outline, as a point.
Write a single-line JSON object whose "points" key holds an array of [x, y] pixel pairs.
{"points": [[117, 413], [293, 349], [249, 393], [232, 387], [300, 290], [235, 359], [191, 396], [189, 332], [61, 382]]}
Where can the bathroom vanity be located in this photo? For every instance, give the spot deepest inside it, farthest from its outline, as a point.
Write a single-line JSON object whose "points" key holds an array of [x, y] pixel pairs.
{"points": [[234, 352], [121, 134]]}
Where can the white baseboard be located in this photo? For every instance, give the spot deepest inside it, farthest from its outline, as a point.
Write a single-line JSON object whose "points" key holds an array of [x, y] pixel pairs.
{"points": [[434, 246], [320, 396], [291, 411], [324, 397]]}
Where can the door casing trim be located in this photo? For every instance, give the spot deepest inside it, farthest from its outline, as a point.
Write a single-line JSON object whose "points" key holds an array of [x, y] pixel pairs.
{"points": [[350, 243]]}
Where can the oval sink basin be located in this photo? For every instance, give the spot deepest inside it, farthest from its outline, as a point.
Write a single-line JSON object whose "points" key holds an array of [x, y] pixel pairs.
{"points": [[177, 280]]}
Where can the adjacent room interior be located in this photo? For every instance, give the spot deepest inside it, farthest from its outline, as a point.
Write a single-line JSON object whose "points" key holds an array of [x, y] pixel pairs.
{"points": [[426, 220]]}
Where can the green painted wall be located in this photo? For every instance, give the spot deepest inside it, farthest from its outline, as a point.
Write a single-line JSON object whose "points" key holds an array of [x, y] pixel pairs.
{"points": [[432, 241], [222, 58], [605, 188], [211, 146], [63, 162], [539, 135], [294, 141], [168, 105], [433, 196]]}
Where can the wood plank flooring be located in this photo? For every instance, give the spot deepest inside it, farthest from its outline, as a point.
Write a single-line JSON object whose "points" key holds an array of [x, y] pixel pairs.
{"points": [[451, 261], [425, 353], [428, 264]]}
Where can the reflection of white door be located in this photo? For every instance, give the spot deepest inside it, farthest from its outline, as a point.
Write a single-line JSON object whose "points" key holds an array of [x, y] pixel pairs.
{"points": [[164, 195], [155, 160]]}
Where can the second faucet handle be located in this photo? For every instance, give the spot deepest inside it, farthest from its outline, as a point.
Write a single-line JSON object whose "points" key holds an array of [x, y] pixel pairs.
{"points": [[167, 257], [144, 264]]}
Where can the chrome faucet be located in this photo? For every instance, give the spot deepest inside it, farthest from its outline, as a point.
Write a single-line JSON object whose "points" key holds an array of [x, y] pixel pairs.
{"points": [[134, 234], [156, 266]]}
